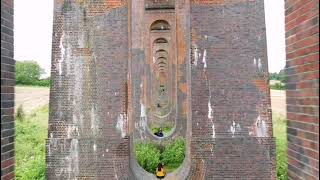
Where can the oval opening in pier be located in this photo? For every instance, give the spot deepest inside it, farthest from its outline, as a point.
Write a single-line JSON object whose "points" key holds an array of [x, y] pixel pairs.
{"points": [[159, 97]]}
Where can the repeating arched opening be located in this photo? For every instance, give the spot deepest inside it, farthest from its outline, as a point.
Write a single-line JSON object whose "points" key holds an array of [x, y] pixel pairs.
{"points": [[161, 51], [160, 40], [161, 59], [160, 43], [161, 108], [161, 55], [161, 84], [162, 68], [162, 64], [160, 25]]}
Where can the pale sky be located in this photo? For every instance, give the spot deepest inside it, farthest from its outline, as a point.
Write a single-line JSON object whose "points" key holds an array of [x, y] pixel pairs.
{"points": [[33, 32]]}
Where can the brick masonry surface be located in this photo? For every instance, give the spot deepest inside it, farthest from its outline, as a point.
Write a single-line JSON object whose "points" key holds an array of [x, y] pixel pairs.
{"points": [[230, 100], [302, 69], [7, 91], [220, 100]]}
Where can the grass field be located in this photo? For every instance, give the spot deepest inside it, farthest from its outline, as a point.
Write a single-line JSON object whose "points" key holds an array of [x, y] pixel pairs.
{"points": [[31, 132], [31, 97]]}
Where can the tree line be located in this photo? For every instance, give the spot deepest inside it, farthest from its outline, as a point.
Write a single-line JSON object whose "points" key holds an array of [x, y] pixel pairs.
{"points": [[29, 73], [281, 77]]}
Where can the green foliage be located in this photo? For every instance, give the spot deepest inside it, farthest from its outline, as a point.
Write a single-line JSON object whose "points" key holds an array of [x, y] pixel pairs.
{"points": [[280, 132], [174, 153], [31, 133], [278, 86], [43, 82], [273, 76], [278, 76], [166, 129], [148, 156], [29, 72]]}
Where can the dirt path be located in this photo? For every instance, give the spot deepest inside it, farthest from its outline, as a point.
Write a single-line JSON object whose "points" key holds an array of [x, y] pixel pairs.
{"points": [[34, 97], [278, 101], [31, 98]]}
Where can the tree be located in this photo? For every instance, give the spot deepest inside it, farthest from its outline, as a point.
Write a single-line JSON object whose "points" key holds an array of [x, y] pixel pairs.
{"points": [[278, 76], [28, 72], [282, 76]]}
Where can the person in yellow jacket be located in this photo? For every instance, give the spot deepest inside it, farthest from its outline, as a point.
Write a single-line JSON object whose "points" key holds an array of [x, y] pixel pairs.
{"points": [[160, 171]]}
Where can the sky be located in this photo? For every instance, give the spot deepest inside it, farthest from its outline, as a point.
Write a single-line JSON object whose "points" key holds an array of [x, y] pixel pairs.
{"points": [[33, 32]]}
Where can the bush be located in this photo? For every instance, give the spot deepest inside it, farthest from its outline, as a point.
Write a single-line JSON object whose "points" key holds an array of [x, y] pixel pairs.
{"points": [[43, 82], [278, 86], [166, 130], [148, 156], [173, 154]]}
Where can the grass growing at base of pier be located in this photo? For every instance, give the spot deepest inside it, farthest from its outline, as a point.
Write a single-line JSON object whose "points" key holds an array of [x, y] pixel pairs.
{"points": [[148, 156], [280, 132], [30, 134]]}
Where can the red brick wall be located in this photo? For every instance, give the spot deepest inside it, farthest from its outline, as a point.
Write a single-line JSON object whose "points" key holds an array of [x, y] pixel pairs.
{"points": [[7, 90], [87, 111], [100, 71], [230, 100], [302, 49]]}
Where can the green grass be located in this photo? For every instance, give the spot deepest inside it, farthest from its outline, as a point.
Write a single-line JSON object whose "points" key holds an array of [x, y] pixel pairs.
{"points": [[171, 154], [278, 86], [31, 132], [166, 130], [148, 156], [280, 132]]}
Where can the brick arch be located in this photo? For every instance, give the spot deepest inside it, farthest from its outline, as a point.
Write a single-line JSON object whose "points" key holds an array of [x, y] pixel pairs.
{"points": [[160, 25]]}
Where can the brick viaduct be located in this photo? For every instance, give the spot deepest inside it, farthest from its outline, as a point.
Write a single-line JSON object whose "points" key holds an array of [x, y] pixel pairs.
{"points": [[210, 56]]}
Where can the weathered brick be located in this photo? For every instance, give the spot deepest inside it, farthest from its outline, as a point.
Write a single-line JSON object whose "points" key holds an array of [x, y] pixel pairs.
{"points": [[303, 51], [8, 173], [7, 163], [309, 41], [299, 36], [103, 78], [302, 32], [7, 90]]}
